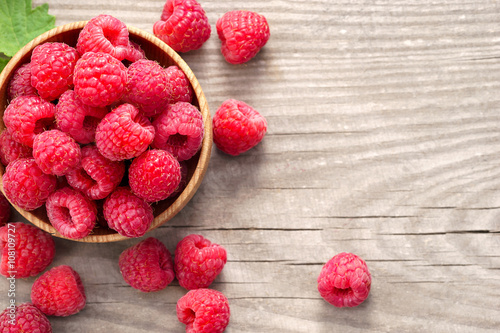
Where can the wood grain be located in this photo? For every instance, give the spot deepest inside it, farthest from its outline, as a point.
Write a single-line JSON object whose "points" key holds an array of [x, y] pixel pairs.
{"points": [[384, 122]]}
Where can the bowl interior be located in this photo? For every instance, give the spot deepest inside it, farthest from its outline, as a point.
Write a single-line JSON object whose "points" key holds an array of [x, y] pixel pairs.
{"points": [[157, 50]]}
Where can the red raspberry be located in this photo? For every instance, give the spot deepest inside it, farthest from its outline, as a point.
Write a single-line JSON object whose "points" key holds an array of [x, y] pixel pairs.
{"points": [[179, 130], [183, 25], [59, 292], [134, 52], [124, 133], [20, 83], [147, 87], [56, 152], [76, 118], [344, 280], [5, 209], [198, 261], [104, 33], [242, 34], [24, 318], [26, 185], [11, 150], [98, 176], [180, 87], [147, 266], [99, 79], [52, 66], [33, 248], [154, 175], [237, 127], [71, 213], [128, 214], [203, 311], [27, 116]]}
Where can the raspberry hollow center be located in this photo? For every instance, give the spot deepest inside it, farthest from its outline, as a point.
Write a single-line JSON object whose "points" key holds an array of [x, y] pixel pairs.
{"points": [[177, 140]]}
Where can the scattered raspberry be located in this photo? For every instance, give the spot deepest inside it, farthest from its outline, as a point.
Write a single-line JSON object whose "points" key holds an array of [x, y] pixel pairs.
{"points": [[98, 176], [237, 127], [344, 280], [71, 213], [20, 83], [183, 25], [242, 34], [56, 152], [180, 87], [5, 209], [59, 292], [34, 249], [52, 66], [128, 214], [124, 133], [147, 266], [134, 52], [154, 175], [179, 130], [147, 87], [26, 185], [27, 116], [76, 118], [11, 150], [24, 318], [203, 311], [99, 79], [198, 261], [104, 33]]}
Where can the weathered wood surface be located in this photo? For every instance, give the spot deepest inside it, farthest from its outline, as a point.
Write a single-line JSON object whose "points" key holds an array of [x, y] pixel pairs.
{"points": [[384, 128]]}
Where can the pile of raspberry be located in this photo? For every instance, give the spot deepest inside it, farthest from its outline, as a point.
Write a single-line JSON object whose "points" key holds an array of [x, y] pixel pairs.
{"points": [[97, 129]]}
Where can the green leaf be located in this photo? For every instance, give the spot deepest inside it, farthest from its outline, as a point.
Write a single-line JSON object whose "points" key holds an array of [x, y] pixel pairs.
{"points": [[3, 63], [20, 23]]}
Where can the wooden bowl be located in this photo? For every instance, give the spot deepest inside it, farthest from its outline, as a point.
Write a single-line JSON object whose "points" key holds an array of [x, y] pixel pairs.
{"points": [[155, 49]]}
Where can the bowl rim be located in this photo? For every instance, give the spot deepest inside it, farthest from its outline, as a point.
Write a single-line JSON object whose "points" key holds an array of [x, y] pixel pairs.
{"points": [[204, 154]]}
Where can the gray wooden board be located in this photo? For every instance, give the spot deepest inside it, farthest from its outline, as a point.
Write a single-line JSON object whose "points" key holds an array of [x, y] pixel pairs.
{"points": [[383, 140]]}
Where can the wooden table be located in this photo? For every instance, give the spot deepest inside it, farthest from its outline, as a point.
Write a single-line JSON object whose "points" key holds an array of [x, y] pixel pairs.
{"points": [[383, 141]]}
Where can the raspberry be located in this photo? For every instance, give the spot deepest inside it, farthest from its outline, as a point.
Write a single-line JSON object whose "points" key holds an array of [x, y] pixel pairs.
{"points": [[124, 133], [27, 116], [20, 83], [11, 150], [203, 310], [184, 178], [24, 318], [242, 34], [34, 250], [71, 213], [26, 185], [183, 25], [99, 79], [76, 118], [147, 87], [180, 87], [56, 152], [59, 292], [104, 33], [179, 130], [154, 175], [128, 214], [198, 261], [4, 209], [147, 266], [134, 52], [98, 176], [344, 280], [237, 127], [52, 66]]}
